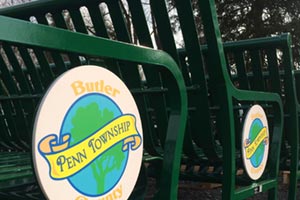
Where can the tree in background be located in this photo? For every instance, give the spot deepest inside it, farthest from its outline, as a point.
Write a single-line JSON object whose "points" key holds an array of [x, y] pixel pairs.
{"points": [[244, 19], [238, 19], [6, 3]]}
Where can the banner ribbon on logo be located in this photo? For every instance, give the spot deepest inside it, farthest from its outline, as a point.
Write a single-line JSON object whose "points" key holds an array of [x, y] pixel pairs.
{"points": [[251, 148], [65, 161]]}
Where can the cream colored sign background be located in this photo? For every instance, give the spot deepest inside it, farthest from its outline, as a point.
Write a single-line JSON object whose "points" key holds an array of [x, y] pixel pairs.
{"points": [[51, 113], [255, 112]]}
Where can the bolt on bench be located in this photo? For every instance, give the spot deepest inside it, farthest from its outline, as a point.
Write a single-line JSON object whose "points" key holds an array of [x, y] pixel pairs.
{"points": [[217, 109]]}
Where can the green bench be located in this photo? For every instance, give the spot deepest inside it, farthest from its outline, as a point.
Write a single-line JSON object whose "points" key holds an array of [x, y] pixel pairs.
{"points": [[215, 105], [266, 64], [19, 97], [269, 61]]}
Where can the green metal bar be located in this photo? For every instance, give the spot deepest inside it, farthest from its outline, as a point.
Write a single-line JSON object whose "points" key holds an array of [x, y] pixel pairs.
{"points": [[101, 30], [297, 82], [140, 23], [60, 22], [32, 70], [294, 111], [46, 72], [97, 20], [274, 70], [241, 70], [256, 63], [78, 20], [255, 43], [201, 117], [123, 35], [166, 38], [185, 68], [263, 186], [17, 69], [34, 7]]}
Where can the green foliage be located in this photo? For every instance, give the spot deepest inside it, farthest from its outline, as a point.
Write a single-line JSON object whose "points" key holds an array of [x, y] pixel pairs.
{"points": [[86, 121], [89, 119]]}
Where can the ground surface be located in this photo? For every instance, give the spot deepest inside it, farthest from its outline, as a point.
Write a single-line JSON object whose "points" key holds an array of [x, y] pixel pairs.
{"points": [[194, 191]]}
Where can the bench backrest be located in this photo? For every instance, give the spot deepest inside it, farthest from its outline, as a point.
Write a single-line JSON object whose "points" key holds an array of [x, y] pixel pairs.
{"points": [[55, 12]]}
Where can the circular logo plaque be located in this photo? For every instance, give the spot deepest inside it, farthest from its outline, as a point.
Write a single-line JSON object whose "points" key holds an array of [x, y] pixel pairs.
{"points": [[255, 142], [87, 137]]}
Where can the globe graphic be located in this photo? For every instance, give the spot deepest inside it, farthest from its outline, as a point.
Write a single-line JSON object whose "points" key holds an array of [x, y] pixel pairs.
{"points": [[257, 157], [87, 115]]}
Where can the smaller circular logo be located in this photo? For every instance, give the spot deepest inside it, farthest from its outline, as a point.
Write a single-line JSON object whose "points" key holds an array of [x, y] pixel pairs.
{"points": [[88, 139], [255, 142]]}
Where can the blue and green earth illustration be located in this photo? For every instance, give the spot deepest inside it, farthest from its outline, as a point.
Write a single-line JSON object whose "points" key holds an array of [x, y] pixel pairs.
{"points": [[257, 157], [87, 115]]}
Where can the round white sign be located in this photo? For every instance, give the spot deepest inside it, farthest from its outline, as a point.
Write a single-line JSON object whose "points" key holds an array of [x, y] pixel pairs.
{"points": [[255, 142], [88, 140]]}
